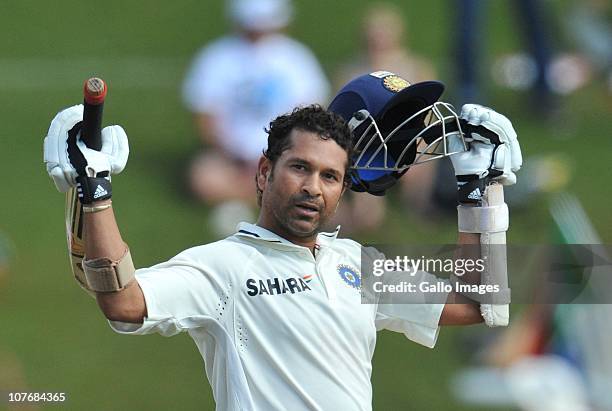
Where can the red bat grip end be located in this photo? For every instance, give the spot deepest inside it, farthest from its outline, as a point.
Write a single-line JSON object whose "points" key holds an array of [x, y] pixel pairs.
{"points": [[94, 91]]}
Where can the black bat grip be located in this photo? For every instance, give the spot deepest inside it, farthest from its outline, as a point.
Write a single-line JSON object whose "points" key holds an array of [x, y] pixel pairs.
{"points": [[94, 91], [92, 126]]}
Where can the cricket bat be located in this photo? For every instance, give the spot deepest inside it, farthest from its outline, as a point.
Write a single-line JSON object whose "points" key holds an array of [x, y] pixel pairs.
{"points": [[94, 93]]}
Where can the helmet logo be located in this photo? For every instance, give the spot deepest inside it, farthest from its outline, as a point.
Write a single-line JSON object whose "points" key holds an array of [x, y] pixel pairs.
{"points": [[395, 83]]}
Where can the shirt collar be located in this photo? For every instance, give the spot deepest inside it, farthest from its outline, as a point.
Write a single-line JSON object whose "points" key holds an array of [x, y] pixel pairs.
{"points": [[256, 232]]}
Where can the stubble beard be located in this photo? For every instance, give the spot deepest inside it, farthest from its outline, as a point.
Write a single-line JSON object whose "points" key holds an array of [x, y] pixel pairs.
{"points": [[292, 224]]}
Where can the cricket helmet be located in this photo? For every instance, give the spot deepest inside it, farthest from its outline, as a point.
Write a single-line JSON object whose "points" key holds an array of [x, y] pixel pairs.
{"points": [[395, 125]]}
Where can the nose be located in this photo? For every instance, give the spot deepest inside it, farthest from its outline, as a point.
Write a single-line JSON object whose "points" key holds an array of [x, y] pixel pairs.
{"points": [[312, 185]]}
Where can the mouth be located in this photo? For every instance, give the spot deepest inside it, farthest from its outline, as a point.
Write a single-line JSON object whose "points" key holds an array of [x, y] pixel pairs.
{"points": [[307, 209]]}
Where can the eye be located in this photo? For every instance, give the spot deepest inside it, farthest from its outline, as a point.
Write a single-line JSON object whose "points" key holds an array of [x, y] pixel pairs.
{"points": [[330, 176], [298, 167]]}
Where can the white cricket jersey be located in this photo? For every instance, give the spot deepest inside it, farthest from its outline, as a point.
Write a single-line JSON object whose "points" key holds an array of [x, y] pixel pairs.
{"points": [[278, 328]]}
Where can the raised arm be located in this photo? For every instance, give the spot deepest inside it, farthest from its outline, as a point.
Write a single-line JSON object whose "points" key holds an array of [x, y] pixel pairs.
{"points": [[493, 157], [103, 243], [107, 269]]}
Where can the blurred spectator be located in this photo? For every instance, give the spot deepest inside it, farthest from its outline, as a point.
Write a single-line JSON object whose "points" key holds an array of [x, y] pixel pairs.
{"points": [[235, 86], [471, 20], [534, 70], [589, 24], [384, 35], [384, 32]]}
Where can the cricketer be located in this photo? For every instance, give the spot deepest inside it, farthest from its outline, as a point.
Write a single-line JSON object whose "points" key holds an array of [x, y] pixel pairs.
{"points": [[276, 308]]}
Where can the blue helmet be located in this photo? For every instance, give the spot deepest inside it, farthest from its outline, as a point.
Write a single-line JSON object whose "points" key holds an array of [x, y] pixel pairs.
{"points": [[395, 125]]}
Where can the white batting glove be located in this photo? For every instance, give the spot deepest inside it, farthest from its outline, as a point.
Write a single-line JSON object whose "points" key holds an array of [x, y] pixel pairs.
{"points": [[494, 152], [67, 157]]}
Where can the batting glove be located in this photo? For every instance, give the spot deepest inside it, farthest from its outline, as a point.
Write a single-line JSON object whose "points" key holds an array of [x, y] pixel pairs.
{"points": [[494, 152], [70, 163]]}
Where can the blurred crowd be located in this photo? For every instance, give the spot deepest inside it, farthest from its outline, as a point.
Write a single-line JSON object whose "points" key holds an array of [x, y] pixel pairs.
{"points": [[237, 83]]}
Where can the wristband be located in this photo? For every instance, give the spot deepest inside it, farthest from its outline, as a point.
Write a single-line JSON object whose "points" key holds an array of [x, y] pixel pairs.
{"points": [[95, 209]]}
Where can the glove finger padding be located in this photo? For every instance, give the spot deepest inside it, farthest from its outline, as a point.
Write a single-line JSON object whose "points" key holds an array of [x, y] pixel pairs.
{"points": [[472, 113], [502, 164], [59, 179], [115, 144], [516, 157], [56, 158], [498, 162]]}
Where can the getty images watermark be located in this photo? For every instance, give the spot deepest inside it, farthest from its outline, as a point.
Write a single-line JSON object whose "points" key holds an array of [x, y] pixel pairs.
{"points": [[531, 274], [413, 266]]}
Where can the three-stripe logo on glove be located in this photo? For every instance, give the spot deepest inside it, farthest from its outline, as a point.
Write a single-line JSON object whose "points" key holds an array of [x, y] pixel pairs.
{"points": [[92, 189], [100, 191], [475, 195]]}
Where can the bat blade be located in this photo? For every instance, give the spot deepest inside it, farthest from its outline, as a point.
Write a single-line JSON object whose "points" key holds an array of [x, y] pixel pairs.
{"points": [[74, 229]]}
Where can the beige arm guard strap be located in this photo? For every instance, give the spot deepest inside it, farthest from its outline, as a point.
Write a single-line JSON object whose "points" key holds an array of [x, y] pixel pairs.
{"points": [[491, 221], [105, 275]]}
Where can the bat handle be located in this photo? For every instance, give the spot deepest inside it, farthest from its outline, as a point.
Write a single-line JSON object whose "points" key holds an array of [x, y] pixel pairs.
{"points": [[94, 93]]}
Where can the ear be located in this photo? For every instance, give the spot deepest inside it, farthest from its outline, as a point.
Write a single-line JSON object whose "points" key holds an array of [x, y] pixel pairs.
{"points": [[264, 168]]}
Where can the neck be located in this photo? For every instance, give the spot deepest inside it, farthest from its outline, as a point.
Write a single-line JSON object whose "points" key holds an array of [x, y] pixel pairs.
{"points": [[254, 36], [307, 241]]}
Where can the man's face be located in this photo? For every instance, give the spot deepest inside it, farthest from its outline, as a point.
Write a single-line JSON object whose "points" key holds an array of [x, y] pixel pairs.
{"points": [[302, 190]]}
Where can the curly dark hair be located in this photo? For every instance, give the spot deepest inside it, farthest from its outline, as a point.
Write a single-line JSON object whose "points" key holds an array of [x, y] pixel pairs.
{"points": [[315, 119]]}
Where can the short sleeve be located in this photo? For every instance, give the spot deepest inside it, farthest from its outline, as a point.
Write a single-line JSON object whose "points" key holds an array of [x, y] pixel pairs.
{"points": [[416, 316], [177, 292], [418, 322]]}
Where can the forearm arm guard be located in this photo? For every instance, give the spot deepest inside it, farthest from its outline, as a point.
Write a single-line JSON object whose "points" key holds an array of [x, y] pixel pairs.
{"points": [[491, 221]]}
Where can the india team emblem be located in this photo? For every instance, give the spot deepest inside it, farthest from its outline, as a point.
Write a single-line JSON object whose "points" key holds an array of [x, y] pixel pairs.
{"points": [[395, 83], [349, 275]]}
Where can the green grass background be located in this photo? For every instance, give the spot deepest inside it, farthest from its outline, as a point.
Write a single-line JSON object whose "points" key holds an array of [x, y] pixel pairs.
{"points": [[143, 48]]}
